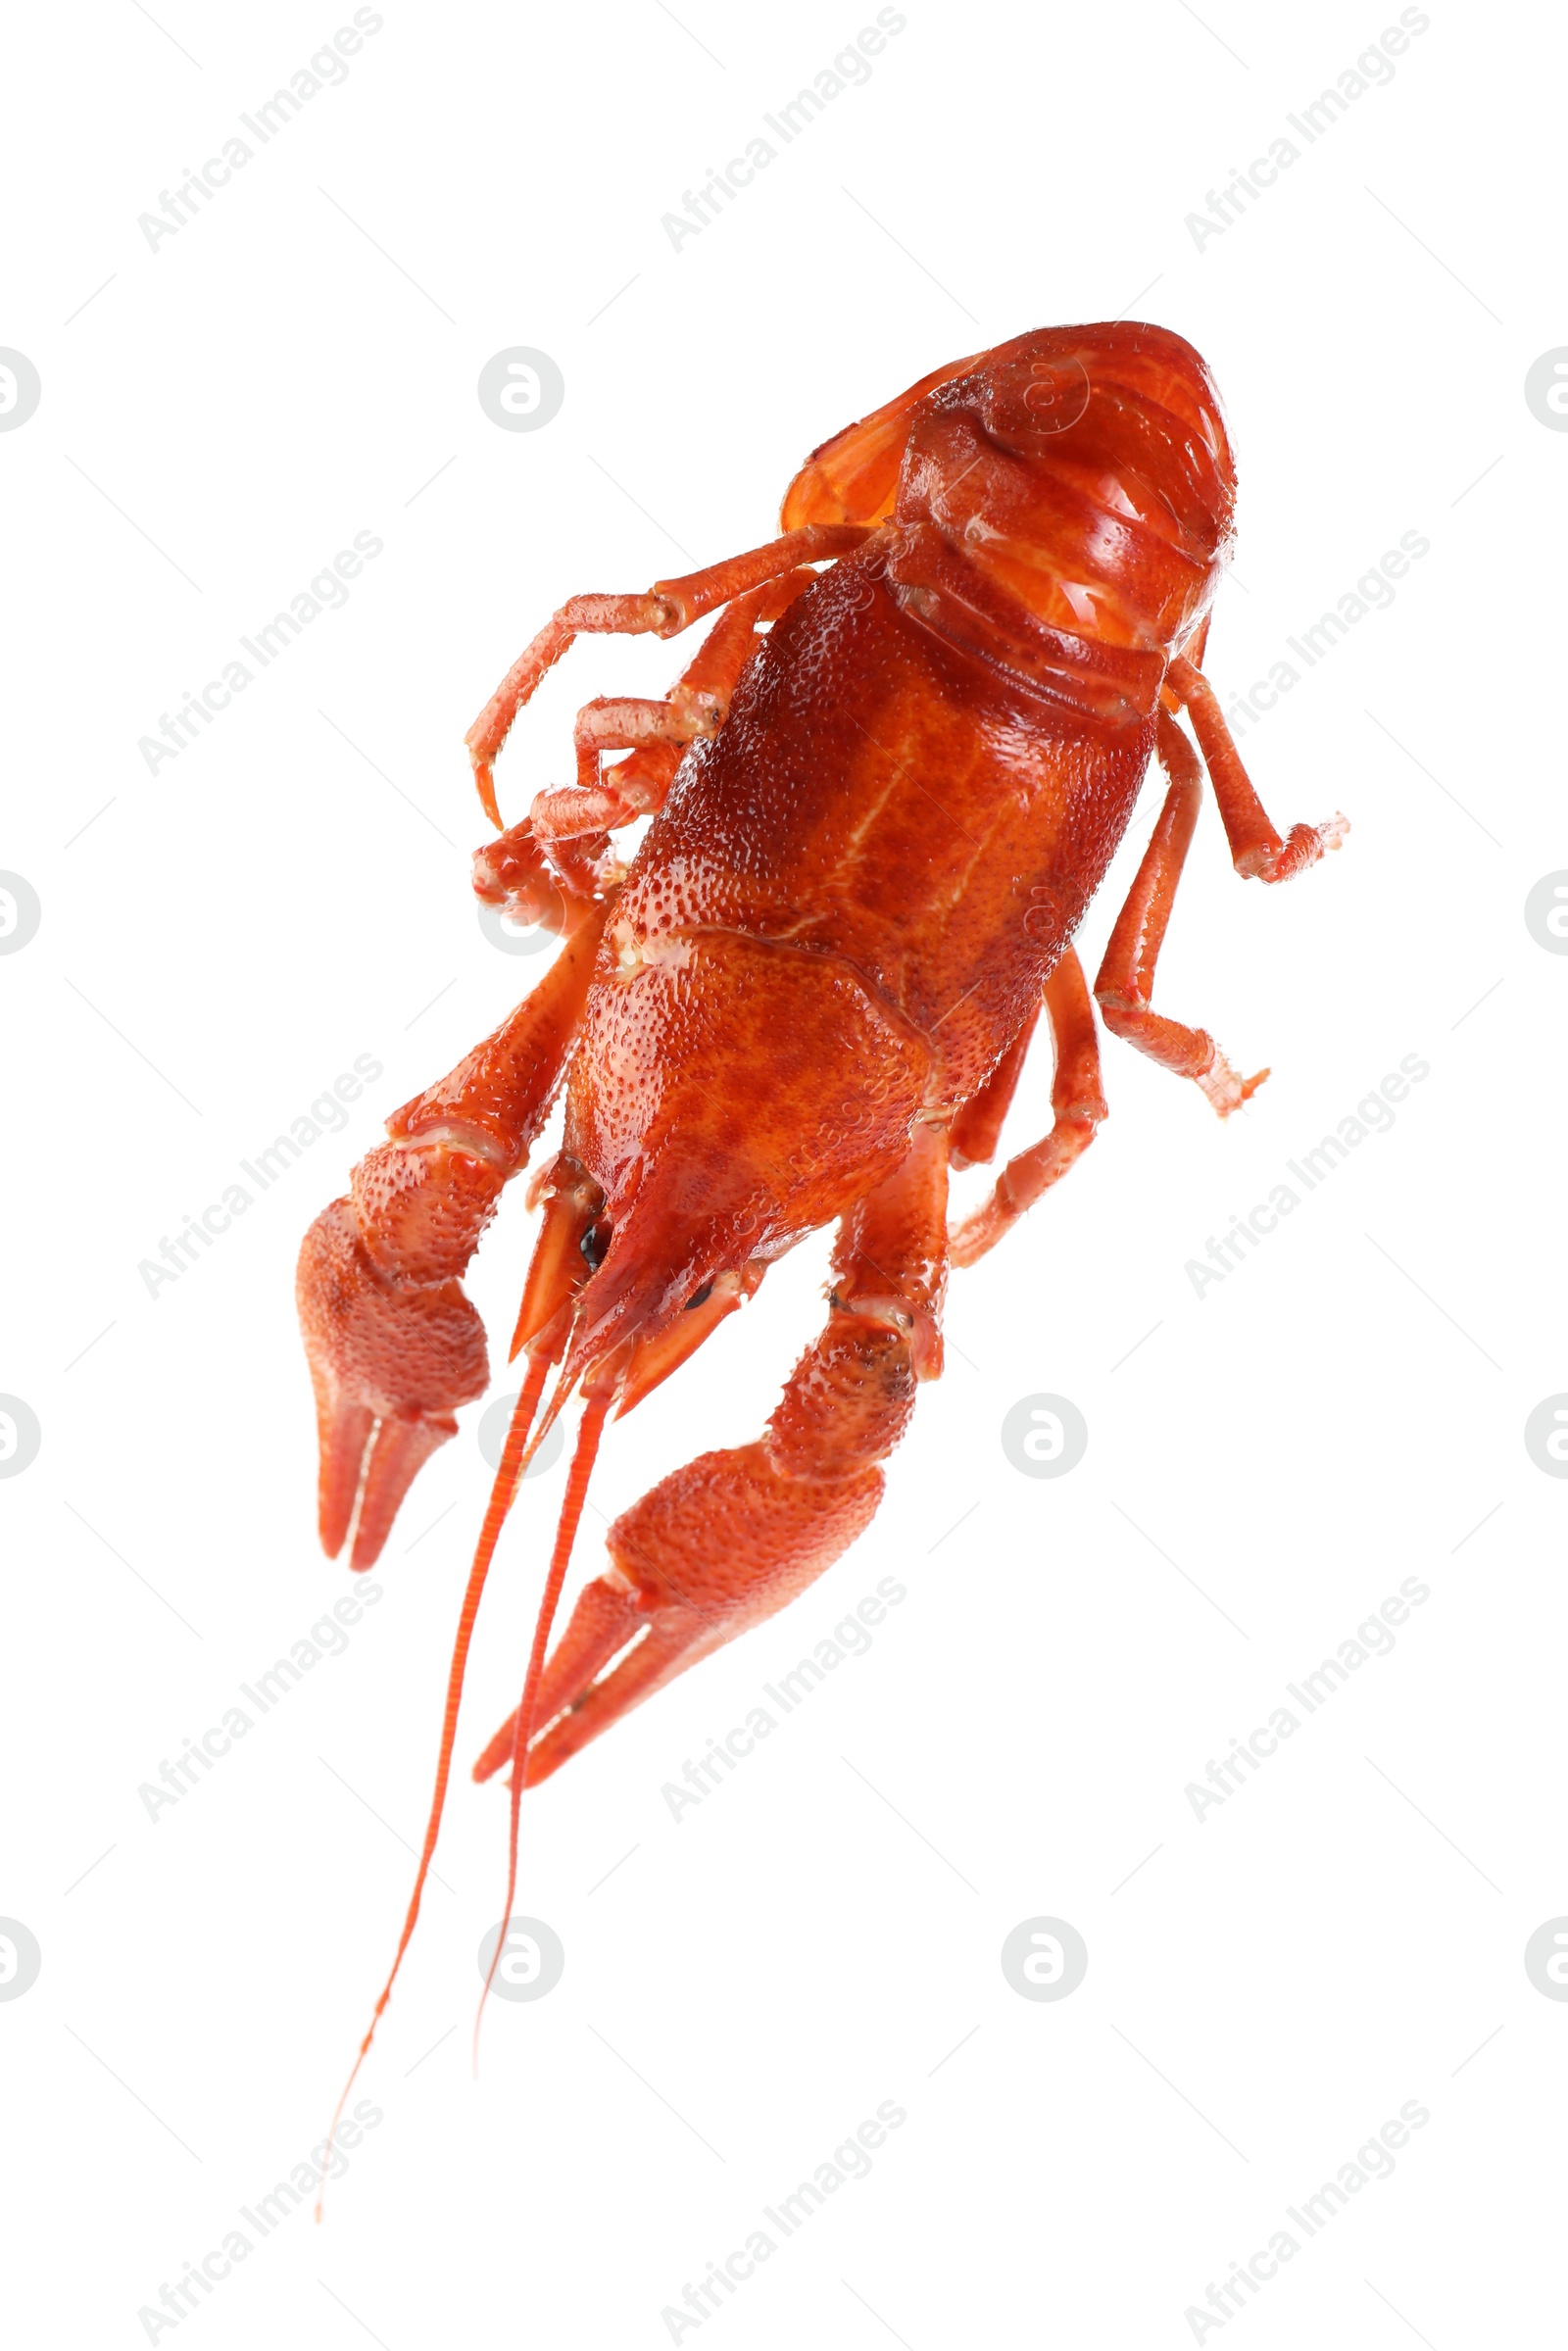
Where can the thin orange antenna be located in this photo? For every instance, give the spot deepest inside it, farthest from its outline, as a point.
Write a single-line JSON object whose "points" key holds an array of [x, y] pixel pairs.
{"points": [[514, 1459], [596, 1405]]}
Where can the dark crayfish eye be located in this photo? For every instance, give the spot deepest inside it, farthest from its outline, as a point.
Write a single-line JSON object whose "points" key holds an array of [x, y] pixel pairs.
{"points": [[700, 1297], [595, 1245]]}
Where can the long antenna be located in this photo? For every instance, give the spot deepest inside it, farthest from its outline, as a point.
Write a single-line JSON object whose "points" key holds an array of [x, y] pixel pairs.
{"points": [[514, 1458], [596, 1406]]}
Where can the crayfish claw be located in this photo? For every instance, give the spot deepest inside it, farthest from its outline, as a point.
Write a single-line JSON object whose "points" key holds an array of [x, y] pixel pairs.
{"points": [[389, 1361], [399, 1450]]}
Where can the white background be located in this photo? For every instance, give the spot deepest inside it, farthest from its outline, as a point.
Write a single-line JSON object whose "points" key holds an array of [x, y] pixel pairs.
{"points": [[223, 414]]}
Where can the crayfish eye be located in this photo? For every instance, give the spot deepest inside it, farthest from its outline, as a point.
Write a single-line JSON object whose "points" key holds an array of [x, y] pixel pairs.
{"points": [[700, 1297], [595, 1245]]}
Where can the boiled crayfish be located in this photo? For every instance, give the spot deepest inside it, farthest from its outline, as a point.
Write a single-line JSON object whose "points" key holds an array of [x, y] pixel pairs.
{"points": [[883, 795]]}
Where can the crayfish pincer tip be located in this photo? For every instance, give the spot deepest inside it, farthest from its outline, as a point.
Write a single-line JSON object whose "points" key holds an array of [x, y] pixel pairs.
{"points": [[484, 783], [398, 1451]]}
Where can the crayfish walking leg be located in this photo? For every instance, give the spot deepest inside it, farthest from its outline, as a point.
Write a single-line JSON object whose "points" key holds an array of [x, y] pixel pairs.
{"points": [[1077, 1103], [670, 605], [1126, 979], [1256, 849]]}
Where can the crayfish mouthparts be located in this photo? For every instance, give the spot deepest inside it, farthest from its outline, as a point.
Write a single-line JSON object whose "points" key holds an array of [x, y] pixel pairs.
{"points": [[511, 873]]}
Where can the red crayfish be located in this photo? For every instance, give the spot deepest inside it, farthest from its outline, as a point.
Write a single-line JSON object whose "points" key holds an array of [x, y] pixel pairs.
{"points": [[883, 794]]}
